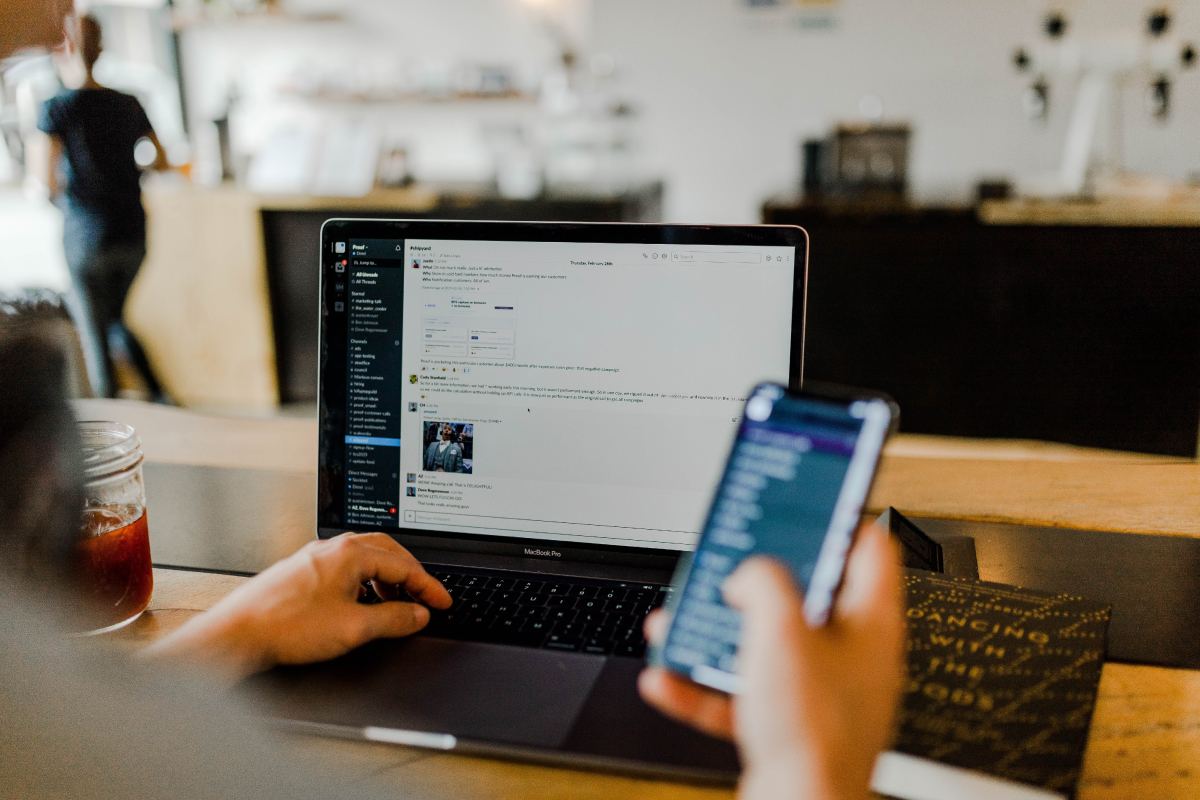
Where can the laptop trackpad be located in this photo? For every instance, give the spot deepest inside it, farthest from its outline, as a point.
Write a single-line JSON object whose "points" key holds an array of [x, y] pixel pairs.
{"points": [[473, 690]]}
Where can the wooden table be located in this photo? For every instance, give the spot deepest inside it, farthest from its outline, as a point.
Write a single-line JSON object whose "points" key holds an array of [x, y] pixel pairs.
{"points": [[1145, 737]]}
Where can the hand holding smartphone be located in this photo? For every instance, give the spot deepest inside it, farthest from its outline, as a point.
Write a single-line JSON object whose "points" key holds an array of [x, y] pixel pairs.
{"points": [[793, 489]]}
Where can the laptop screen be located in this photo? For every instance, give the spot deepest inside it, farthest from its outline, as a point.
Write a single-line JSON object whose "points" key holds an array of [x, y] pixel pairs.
{"points": [[547, 392]]}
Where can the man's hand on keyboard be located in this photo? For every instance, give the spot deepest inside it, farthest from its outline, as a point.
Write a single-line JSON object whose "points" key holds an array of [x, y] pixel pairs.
{"points": [[305, 608], [818, 703]]}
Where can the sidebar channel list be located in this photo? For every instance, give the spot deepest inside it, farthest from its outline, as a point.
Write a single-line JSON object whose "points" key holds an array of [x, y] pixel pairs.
{"points": [[373, 389]]}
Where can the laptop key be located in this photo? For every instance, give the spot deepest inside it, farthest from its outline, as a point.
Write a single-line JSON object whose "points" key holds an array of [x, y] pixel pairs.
{"points": [[584, 591], [533, 612], [474, 581], [454, 617], [476, 605], [630, 649], [628, 634], [502, 584], [592, 617], [638, 610], [532, 599], [559, 589], [557, 641], [606, 632], [559, 601], [573, 629], [510, 624], [478, 594], [528, 586], [447, 578], [562, 614], [534, 632], [590, 604], [619, 607], [476, 625], [599, 646]]}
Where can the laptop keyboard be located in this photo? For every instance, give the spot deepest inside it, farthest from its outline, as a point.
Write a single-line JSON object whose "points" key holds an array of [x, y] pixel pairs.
{"points": [[580, 616]]}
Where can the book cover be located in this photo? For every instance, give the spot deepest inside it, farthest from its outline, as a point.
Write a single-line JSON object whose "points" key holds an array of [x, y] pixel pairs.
{"points": [[1001, 680]]}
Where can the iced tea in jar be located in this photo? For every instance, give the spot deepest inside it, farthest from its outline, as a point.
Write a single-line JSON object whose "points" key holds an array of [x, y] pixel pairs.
{"points": [[113, 569]]}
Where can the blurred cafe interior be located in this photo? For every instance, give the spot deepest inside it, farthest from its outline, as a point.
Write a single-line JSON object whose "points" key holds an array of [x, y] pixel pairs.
{"points": [[1002, 205], [1001, 197]]}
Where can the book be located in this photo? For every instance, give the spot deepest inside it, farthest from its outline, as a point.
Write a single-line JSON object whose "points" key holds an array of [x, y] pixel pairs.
{"points": [[1001, 687]]}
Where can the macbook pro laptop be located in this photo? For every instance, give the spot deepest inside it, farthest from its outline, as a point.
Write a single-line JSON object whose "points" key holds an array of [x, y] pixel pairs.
{"points": [[539, 412]]}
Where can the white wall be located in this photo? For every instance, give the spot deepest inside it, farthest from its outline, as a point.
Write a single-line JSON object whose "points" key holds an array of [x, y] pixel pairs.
{"points": [[726, 99], [724, 94], [374, 42]]}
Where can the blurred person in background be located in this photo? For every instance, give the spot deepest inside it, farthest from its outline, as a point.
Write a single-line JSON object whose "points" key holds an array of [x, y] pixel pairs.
{"points": [[79, 721], [93, 133]]}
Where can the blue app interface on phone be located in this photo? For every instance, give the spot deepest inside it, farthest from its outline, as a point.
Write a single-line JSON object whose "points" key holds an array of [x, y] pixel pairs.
{"points": [[780, 497]]}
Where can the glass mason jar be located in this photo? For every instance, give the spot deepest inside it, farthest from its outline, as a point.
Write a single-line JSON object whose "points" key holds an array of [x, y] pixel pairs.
{"points": [[113, 553]]}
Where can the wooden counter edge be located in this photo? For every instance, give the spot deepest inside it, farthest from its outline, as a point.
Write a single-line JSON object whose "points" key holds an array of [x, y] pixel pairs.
{"points": [[1110, 213]]}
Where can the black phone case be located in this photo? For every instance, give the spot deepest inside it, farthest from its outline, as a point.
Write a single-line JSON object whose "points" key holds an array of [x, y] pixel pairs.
{"points": [[813, 390]]}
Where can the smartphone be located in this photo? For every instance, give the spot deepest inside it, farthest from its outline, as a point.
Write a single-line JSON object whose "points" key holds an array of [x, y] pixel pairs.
{"points": [[793, 488]]}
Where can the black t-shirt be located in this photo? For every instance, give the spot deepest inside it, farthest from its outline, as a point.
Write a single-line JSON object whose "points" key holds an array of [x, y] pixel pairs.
{"points": [[98, 129]]}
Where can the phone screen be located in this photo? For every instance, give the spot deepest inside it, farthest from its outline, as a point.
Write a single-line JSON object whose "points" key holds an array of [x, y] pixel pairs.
{"points": [[793, 488]]}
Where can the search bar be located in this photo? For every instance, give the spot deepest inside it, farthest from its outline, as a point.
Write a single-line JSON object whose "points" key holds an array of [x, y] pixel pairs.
{"points": [[695, 257]]}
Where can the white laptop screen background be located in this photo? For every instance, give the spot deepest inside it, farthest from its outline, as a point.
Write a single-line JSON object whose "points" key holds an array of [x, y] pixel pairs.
{"points": [[602, 383]]}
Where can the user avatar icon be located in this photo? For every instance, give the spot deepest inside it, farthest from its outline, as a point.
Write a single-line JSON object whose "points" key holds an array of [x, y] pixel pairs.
{"points": [[412, 477], [412, 491], [412, 378]]}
